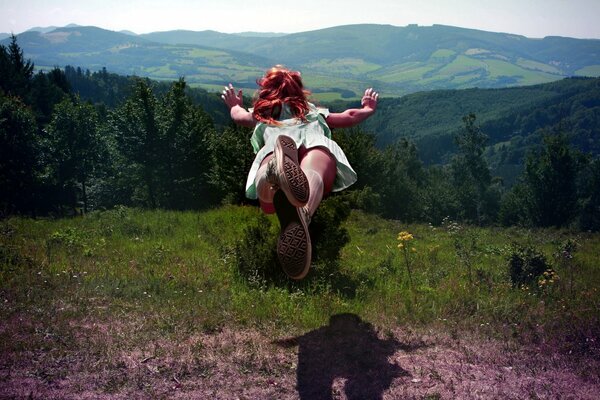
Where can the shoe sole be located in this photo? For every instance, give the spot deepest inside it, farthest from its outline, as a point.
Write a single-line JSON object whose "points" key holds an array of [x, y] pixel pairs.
{"points": [[292, 179], [294, 249]]}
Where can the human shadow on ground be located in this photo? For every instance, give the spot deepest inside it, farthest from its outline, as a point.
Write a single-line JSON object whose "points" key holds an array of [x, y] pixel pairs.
{"points": [[347, 348]]}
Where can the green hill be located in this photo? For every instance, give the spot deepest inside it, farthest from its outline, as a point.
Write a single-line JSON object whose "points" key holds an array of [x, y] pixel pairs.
{"points": [[337, 62], [94, 48], [513, 118], [413, 58]]}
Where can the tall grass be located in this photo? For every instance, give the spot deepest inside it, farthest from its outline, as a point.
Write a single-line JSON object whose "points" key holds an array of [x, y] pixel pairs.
{"points": [[178, 272]]}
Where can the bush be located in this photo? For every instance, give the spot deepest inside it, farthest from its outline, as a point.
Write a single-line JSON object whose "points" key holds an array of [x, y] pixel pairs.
{"points": [[255, 255], [526, 264], [327, 235]]}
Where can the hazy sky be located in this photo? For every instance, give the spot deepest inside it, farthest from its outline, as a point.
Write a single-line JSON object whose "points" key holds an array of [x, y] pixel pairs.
{"points": [[532, 18]]}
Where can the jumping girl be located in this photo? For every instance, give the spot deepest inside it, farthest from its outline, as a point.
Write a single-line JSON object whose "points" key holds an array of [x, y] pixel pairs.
{"points": [[297, 163]]}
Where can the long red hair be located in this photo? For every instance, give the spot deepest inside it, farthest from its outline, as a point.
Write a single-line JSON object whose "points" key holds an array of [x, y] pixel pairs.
{"points": [[280, 86]]}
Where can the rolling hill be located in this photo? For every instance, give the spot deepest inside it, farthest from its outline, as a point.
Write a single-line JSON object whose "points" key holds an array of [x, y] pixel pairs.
{"points": [[337, 62], [94, 48], [514, 119]]}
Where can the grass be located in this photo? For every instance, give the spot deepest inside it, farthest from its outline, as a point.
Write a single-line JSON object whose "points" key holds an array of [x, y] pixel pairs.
{"points": [[132, 284], [348, 66], [537, 66], [157, 259], [460, 65], [404, 75], [499, 68], [590, 70]]}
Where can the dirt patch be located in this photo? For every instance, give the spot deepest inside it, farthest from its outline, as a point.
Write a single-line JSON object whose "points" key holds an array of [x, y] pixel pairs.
{"points": [[345, 359]]}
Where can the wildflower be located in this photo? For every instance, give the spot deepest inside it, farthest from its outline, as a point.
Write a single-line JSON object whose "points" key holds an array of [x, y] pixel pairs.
{"points": [[405, 236]]}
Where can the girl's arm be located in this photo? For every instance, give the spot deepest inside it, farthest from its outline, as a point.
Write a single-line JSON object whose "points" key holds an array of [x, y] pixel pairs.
{"points": [[354, 116], [238, 113]]}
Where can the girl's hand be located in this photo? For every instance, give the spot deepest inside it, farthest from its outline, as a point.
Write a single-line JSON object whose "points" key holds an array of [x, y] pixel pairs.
{"points": [[369, 100], [231, 99]]}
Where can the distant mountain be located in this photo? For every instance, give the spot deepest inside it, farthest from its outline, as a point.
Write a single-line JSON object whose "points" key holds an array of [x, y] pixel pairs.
{"points": [[337, 62], [47, 29], [4, 35], [128, 32], [44, 29], [260, 34], [200, 38], [94, 48]]}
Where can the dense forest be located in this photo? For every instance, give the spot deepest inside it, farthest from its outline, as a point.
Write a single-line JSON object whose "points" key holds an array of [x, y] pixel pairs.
{"points": [[515, 120], [73, 141]]}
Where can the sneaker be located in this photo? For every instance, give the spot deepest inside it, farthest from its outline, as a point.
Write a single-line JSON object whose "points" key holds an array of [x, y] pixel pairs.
{"points": [[294, 249], [288, 176]]}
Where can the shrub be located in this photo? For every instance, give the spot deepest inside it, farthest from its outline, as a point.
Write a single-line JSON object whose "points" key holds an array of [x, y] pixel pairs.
{"points": [[526, 264], [255, 255], [326, 232]]}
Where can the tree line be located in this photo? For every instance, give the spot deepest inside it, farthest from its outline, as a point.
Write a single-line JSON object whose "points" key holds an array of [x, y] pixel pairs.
{"points": [[72, 141]]}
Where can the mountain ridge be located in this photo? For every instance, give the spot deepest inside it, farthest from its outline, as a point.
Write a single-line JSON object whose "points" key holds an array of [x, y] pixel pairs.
{"points": [[338, 62]]}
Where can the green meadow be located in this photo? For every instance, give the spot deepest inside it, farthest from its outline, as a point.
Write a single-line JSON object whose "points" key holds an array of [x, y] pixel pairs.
{"points": [[181, 267], [133, 303]]}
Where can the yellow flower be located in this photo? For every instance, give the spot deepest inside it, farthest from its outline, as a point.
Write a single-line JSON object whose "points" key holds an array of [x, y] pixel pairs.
{"points": [[400, 245], [413, 249], [405, 236]]}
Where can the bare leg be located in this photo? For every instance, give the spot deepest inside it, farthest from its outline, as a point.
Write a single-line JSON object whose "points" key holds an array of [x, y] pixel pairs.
{"points": [[264, 189], [320, 168]]}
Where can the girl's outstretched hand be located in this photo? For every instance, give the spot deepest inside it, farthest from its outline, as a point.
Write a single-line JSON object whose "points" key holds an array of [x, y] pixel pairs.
{"points": [[231, 99], [369, 100]]}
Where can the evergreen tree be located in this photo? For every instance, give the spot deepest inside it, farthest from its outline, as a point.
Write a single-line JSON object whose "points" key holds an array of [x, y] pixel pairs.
{"points": [[136, 129], [76, 149], [15, 71], [589, 218], [471, 174], [164, 148], [365, 158], [187, 132], [551, 178], [47, 90], [438, 198], [232, 158], [19, 156], [402, 177], [516, 205]]}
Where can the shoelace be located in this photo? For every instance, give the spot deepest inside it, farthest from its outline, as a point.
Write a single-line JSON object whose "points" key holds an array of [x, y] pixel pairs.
{"points": [[306, 214]]}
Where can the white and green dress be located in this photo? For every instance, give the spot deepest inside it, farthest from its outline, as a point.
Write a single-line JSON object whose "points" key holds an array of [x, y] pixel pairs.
{"points": [[313, 132]]}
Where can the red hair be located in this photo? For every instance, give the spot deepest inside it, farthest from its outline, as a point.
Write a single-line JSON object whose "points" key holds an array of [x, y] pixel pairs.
{"points": [[280, 86]]}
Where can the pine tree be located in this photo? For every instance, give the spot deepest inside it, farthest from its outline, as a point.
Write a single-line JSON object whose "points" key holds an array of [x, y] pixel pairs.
{"points": [[77, 150], [20, 155], [15, 71], [551, 179], [471, 173]]}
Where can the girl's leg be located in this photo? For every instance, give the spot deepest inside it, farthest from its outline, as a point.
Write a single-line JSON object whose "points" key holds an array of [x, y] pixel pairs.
{"points": [[264, 188], [320, 168]]}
